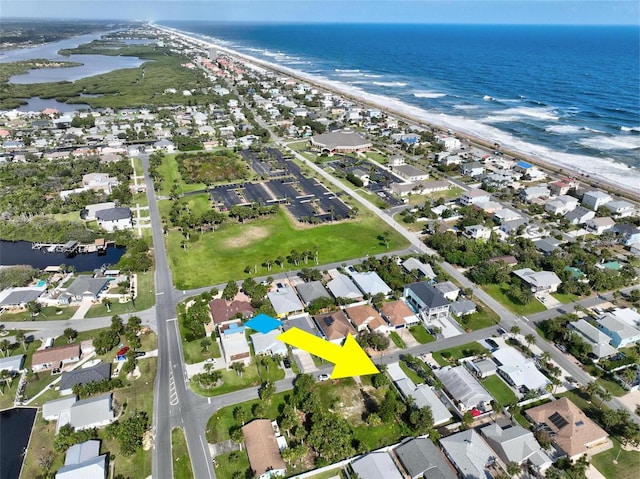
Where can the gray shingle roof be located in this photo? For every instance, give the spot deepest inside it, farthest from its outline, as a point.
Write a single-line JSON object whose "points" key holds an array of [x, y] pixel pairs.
{"points": [[83, 376], [86, 284], [90, 411], [419, 456], [312, 290], [428, 294], [113, 214], [20, 296]]}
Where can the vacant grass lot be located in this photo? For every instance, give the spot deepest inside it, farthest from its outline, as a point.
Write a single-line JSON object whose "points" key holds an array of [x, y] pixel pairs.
{"points": [[626, 465], [479, 320], [499, 390], [499, 293], [458, 352], [216, 257], [193, 352], [47, 313], [180, 455], [421, 335], [254, 375]]}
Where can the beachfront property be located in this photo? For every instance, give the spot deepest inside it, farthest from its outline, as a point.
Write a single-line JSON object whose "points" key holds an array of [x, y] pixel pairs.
{"points": [[344, 141], [84, 287], [594, 199]]}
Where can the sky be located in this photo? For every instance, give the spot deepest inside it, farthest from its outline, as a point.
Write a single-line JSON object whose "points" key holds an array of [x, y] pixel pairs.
{"points": [[563, 12]]}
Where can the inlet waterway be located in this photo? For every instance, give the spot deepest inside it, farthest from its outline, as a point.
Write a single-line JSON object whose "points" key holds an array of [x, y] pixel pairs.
{"points": [[20, 252], [15, 430]]}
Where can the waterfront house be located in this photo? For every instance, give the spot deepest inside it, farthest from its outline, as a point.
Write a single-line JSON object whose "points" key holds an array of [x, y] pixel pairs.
{"points": [[450, 143], [51, 410], [595, 199], [92, 412], [112, 219], [86, 287], [620, 208]]}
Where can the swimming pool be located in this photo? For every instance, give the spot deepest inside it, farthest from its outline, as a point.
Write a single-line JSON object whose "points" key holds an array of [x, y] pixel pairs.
{"points": [[41, 283]]}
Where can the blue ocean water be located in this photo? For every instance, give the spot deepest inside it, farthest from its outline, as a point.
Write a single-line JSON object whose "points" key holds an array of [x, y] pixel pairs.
{"points": [[570, 94]]}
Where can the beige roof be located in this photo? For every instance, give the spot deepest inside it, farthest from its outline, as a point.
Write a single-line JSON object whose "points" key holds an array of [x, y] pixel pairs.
{"points": [[334, 325], [396, 311], [55, 355], [361, 315], [262, 448], [574, 431]]}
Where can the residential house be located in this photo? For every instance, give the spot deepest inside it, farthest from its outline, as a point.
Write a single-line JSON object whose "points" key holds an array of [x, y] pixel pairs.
{"points": [[233, 341], [51, 410], [447, 159], [448, 290], [398, 314], [539, 281], [562, 186], [341, 286], [630, 234], [450, 143], [561, 205], [267, 344], [20, 296], [472, 169], [600, 225], [89, 211], [99, 182], [516, 444], [95, 411], [262, 449], [223, 310], [421, 269], [465, 390], [579, 216], [426, 300], [13, 364], [621, 333], [303, 322], [285, 301], [362, 175], [334, 326], [422, 395], [473, 197], [599, 341], [469, 453], [364, 317], [96, 373], [626, 315], [506, 215], [533, 193], [370, 283], [477, 232], [518, 371], [571, 431], [483, 368], [463, 307], [620, 208], [595, 199], [376, 465], [83, 461], [86, 287], [311, 290], [113, 219], [547, 245], [56, 357], [421, 459], [410, 173]]}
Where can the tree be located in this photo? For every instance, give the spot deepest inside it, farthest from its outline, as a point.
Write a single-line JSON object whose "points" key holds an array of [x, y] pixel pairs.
{"points": [[467, 419], [238, 368], [230, 290], [267, 390], [515, 330], [530, 339], [237, 435], [4, 346], [107, 303], [22, 339], [377, 300], [70, 334], [240, 414], [513, 468], [289, 419], [386, 238], [205, 343], [116, 324], [421, 420]]}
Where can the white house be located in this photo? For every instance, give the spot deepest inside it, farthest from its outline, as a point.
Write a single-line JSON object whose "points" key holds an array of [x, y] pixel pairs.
{"points": [[539, 281], [595, 199], [600, 225], [473, 197], [113, 219], [450, 143]]}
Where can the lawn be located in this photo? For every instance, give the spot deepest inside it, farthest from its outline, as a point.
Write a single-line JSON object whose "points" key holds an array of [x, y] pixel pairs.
{"points": [[483, 318], [378, 157], [146, 298], [169, 173], [47, 313], [137, 166], [458, 352], [499, 390], [180, 454], [227, 464], [397, 340], [626, 465], [254, 375], [411, 373], [193, 352], [251, 243], [499, 293], [565, 298], [421, 335], [613, 387]]}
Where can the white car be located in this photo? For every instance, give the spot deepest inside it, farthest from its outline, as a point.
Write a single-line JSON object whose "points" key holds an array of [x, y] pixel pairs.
{"points": [[323, 377]]}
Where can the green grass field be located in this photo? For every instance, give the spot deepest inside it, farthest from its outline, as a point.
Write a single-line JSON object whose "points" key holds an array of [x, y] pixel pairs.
{"points": [[180, 454], [421, 335], [626, 465], [499, 390], [254, 375], [479, 319], [458, 352], [146, 298], [397, 340], [216, 257], [193, 351], [498, 292], [46, 314]]}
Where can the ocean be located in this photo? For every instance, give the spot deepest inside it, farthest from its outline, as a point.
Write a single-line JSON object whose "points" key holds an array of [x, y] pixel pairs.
{"points": [[567, 94]]}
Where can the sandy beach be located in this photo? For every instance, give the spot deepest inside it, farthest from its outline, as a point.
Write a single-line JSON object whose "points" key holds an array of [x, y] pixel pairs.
{"points": [[628, 185]]}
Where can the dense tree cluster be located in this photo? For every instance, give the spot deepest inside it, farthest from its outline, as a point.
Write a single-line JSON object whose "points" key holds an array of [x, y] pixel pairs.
{"points": [[15, 276], [137, 258], [97, 387], [67, 437], [129, 432], [373, 340], [193, 318], [211, 167]]}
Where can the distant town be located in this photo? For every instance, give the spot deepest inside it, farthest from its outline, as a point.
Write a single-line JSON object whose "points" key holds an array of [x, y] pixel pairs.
{"points": [[496, 294]]}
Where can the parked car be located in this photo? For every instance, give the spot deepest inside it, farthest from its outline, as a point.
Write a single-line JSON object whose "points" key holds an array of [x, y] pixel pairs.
{"points": [[561, 347], [286, 362], [323, 377], [491, 343]]}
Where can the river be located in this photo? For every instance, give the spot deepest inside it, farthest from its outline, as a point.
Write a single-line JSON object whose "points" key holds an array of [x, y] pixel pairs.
{"points": [[92, 64], [15, 430], [20, 252]]}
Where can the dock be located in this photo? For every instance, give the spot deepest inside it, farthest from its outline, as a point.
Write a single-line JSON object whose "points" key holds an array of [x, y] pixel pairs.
{"points": [[71, 247]]}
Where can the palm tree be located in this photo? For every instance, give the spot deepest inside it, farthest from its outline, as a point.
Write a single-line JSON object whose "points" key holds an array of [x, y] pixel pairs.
{"points": [[530, 339], [4, 346], [515, 330], [107, 303], [22, 339]]}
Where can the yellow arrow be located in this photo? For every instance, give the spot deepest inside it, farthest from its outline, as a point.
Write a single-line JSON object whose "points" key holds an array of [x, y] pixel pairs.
{"points": [[350, 359]]}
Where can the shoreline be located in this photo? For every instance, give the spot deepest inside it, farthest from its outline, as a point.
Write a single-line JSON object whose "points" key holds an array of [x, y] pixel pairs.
{"points": [[584, 177]]}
